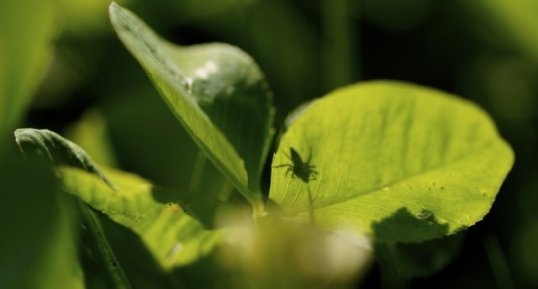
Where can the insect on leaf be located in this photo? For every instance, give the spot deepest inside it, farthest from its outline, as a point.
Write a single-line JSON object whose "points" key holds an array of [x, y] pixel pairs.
{"points": [[396, 161]]}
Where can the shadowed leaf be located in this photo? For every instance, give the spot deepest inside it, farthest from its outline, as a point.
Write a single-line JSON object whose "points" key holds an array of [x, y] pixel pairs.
{"points": [[216, 91]]}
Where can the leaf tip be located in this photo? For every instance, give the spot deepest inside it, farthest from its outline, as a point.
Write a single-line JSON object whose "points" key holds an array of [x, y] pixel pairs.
{"points": [[113, 6], [26, 134], [114, 10]]}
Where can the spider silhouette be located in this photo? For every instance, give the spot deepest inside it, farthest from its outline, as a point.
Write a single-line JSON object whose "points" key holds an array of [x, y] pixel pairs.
{"points": [[299, 168]]}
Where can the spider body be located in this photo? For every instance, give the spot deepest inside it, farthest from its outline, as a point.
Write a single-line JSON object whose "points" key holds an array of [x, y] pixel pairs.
{"points": [[303, 170]]}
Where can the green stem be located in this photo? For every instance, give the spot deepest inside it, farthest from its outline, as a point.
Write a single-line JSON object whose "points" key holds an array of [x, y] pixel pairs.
{"points": [[197, 171], [118, 277], [258, 207], [340, 47], [497, 262]]}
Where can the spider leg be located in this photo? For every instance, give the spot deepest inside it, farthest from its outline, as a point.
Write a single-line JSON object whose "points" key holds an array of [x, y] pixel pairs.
{"points": [[290, 171], [282, 166]]}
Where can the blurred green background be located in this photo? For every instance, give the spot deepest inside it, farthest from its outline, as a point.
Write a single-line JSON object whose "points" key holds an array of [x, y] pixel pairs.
{"points": [[62, 68]]}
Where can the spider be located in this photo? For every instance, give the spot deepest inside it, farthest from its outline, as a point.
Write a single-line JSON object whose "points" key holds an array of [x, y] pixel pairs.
{"points": [[299, 168]]}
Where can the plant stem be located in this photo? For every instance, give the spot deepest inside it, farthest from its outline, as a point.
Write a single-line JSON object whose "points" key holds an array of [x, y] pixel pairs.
{"points": [[497, 262], [339, 47], [258, 208], [112, 265], [197, 171]]}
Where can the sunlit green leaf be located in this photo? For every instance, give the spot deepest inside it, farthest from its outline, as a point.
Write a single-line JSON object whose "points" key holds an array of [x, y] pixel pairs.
{"points": [[172, 236], [216, 91], [396, 161]]}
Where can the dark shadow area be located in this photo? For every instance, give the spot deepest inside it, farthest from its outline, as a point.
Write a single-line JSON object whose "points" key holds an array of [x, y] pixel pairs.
{"points": [[390, 276], [30, 215], [399, 253], [405, 227], [415, 260], [204, 273]]}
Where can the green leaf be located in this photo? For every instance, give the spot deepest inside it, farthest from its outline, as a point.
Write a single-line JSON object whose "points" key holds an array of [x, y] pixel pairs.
{"points": [[173, 237], [26, 31], [216, 91], [51, 147], [141, 268], [169, 160], [513, 21], [38, 243], [91, 133], [101, 247], [399, 162]]}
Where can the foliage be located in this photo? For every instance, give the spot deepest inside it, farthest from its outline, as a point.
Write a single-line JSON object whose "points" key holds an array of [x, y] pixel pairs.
{"points": [[378, 169]]}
